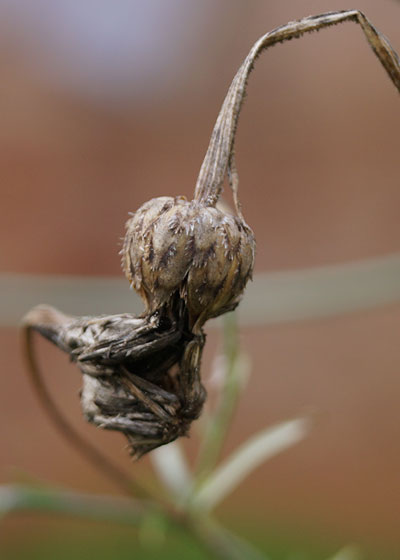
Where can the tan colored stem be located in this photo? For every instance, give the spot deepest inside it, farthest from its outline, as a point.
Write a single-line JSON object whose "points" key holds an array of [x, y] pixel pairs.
{"points": [[219, 157], [101, 462]]}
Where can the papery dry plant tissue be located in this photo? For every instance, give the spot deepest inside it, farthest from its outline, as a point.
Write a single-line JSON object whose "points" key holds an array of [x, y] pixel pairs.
{"points": [[189, 261]]}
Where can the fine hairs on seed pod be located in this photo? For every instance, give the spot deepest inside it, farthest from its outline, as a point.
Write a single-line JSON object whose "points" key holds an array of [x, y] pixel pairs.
{"points": [[189, 261]]}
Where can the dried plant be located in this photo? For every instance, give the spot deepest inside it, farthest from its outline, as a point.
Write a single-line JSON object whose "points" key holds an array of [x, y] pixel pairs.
{"points": [[189, 261]]}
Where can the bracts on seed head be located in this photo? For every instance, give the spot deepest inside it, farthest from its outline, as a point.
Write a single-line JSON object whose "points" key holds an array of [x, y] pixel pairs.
{"points": [[189, 261], [199, 253], [141, 375]]}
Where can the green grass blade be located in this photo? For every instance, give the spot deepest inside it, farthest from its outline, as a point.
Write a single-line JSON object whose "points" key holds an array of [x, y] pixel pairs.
{"points": [[259, 448], [14, 498]]}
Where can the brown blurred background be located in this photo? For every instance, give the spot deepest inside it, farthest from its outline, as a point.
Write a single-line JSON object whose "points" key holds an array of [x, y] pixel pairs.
{"points": [[105, 105]]}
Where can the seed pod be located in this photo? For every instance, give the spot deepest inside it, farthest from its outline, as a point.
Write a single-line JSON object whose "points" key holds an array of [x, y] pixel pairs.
{"points": [[154, 255], [173, 246]]}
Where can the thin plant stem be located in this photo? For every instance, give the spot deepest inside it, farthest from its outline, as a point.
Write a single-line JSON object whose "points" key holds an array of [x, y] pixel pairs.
{"points": [[127, 511], [83, 506], [219, 158], [17, 498], [225, 544], [125, 482], [218, 422]]}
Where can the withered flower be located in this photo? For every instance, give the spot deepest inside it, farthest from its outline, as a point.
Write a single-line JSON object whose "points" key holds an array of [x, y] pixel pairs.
{"points": [[140, 374], [199, 252], [189, 261]]}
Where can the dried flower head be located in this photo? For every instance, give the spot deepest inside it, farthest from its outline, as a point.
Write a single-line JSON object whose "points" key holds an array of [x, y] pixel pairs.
{"points": [[189, 261], [175, 247], [141, 376]]}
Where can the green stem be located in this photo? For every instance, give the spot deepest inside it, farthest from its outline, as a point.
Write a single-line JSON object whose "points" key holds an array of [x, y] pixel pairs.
{"points": [[213, 540], [223, 543], [14, 498], [219, 422]]}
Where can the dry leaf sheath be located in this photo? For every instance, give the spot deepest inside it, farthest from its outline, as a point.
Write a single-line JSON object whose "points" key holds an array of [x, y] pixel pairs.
{"points": [[189, 261]]}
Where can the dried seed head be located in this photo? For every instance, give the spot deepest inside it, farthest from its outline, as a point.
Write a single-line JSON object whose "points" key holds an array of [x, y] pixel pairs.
{"points": [[176, 246], [141, 375]]}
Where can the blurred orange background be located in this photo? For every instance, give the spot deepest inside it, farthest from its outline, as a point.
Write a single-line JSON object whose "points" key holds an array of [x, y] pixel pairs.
{"points": [[105, 105]]}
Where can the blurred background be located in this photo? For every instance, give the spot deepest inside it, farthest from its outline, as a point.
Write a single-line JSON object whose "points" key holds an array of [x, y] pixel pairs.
{"points": [[107, 104]]}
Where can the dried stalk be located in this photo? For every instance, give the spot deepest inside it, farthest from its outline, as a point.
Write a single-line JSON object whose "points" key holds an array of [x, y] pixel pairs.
{"points": [[189, 261], [101, 462], [219, 159]]}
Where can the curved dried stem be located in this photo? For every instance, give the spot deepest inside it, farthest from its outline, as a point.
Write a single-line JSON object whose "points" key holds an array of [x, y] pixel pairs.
{"points": [[219, 158], [127, 484]]}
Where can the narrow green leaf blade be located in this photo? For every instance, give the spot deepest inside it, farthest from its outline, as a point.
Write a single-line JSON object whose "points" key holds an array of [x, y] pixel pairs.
{"points": [[273, 297], [259, 448], [16, 498], [227, 543], [350, 552], [172, 469]]}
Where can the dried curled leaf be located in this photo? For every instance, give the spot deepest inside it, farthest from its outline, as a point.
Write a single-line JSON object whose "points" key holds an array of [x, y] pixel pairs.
{"points": [[141, 376]]}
